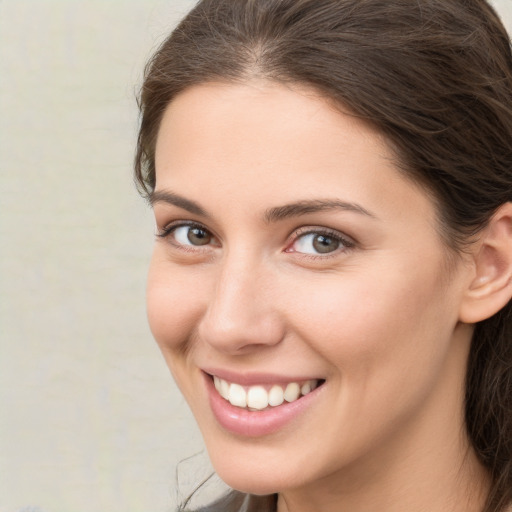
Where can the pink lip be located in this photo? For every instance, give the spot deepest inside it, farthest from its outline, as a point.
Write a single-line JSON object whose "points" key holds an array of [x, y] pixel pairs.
{"points": [[256, 423], [253, 379]]}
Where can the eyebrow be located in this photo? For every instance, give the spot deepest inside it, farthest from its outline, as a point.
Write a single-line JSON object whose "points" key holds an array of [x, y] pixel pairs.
{"points": [[312, 206], [164, 196], [271, 215]]}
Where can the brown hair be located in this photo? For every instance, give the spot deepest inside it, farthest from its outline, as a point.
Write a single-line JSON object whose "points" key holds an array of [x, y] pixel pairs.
{"points": [[434, 76]]}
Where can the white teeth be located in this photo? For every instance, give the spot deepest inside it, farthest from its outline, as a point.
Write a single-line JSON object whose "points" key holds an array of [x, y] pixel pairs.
{"points": [[306, 388], [237, 395], [292, 392], [275, 396], [224, 389], [257, 397]]}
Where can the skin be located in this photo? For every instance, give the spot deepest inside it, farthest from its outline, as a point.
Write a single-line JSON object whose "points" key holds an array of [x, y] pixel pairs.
{"points": [[378, 318]]}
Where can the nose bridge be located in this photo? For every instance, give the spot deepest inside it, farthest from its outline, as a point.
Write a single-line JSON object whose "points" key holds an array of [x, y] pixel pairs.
{"points": [[240, 313]]}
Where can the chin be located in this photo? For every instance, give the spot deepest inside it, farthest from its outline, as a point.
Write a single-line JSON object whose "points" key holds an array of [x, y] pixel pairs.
{"points": [[258, 469], [258, 482]]}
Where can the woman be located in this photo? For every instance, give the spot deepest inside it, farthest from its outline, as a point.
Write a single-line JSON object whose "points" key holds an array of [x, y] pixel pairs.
{"points": [[332, 275]]}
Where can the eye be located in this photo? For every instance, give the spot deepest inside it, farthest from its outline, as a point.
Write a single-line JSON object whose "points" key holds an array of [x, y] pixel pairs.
{"points": [[192, 235], [318, 243], [187, 235]]}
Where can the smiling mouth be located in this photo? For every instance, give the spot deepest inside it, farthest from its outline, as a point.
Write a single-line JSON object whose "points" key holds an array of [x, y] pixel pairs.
{"points": [[259, 398]]}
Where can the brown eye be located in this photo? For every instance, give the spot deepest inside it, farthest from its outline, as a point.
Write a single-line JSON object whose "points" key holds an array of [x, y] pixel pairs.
{"points": [[192, 235], [198, 236], [319, 243], [324, 244]]}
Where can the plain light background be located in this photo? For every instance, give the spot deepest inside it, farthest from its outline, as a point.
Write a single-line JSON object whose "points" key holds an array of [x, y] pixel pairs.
{"points": [[90, 420]]}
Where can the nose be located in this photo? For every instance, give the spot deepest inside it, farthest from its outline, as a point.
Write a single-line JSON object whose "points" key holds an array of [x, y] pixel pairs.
{"points": [[242, 313]]}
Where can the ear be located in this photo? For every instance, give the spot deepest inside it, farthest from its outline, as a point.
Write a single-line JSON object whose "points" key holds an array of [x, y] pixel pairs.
{"points": [[490, 288]]}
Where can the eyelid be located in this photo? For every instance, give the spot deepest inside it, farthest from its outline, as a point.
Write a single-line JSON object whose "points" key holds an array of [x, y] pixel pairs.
{"points": [[323, 230], [169, 228], [346, 241]]}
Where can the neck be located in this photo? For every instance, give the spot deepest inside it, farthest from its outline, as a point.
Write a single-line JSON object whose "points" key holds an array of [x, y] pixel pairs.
{"points": [[426, 466]]}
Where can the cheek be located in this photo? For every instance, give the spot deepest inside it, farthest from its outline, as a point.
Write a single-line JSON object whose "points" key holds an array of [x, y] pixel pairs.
{"points": [[174, 304], [386, 343], [378, 327]]}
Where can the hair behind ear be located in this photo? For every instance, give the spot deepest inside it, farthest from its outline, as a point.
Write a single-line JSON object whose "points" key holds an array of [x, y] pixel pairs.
{"points": [[489, 402], [489, 377]]}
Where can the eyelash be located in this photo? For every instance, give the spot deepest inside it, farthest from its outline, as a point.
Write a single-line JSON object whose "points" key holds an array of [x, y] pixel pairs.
{"points": [[168, 230], [346, 243]]}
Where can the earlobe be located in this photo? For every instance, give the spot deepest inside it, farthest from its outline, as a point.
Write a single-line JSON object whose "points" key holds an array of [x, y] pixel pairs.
{"points": [[490, 288]]}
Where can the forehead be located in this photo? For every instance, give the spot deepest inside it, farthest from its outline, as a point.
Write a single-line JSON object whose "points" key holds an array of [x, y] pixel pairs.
{"points": [[260, 102], [272, 143]]}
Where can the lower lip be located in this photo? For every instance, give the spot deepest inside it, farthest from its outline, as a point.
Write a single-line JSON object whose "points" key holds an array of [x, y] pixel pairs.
{"points": [[256, 423]]}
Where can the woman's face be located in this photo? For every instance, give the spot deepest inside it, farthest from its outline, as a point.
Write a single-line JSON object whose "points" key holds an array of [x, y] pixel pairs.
{"points": [[294, 259]]}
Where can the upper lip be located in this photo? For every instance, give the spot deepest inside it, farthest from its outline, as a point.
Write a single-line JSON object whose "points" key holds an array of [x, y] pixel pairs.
{"points": [[255, 378]]}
